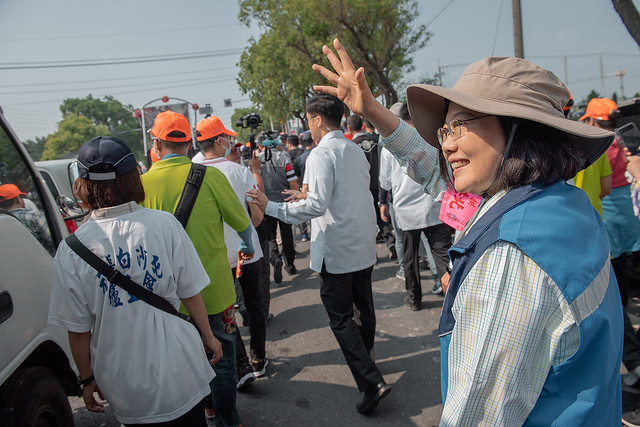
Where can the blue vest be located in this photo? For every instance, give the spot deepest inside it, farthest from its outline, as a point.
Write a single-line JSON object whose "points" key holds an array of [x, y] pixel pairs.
{"points": [[557, 228]]}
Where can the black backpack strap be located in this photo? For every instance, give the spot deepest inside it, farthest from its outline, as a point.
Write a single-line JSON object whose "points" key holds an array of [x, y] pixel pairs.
{"points": [[190, 193], [117, 278]]}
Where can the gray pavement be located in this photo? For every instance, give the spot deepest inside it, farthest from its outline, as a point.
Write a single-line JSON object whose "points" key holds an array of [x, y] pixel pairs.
{"points": [[308, 382]]}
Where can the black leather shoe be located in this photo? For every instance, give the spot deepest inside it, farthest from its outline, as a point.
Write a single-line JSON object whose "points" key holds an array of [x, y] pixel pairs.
{"points": [[411, 303], [372, 398]]}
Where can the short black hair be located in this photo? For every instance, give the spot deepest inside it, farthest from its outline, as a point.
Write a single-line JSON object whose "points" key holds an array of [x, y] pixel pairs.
{"points": [[538, 154], [293, 140], [354, 122], [307, 140], [329, 107], [610, 124], [404, 113], [368, 123]]}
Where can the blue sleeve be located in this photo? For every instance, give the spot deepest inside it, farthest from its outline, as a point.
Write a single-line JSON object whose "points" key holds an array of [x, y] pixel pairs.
{"points": [[246, 246]]}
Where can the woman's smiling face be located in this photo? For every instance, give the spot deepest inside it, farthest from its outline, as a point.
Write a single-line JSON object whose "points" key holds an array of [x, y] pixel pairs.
{"points": [[476, 155]]}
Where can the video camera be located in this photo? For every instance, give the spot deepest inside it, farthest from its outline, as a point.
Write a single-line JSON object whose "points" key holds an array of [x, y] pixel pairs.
{"points": [[251, 120], [269, 138]]}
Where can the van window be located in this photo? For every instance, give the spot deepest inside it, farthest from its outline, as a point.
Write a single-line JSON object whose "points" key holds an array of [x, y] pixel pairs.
{"points": [[19, 194]]}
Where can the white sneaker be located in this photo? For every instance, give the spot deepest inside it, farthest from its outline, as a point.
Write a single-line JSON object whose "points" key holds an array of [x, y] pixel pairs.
{"points": [[260, 367]]}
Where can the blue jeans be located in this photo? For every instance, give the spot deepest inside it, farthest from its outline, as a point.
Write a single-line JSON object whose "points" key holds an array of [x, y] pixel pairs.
{"points": [[223, 386]]}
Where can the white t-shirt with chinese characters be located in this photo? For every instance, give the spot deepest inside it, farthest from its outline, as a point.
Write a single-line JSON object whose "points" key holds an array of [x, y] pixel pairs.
{"points": [[150, 365], [241, 180]]}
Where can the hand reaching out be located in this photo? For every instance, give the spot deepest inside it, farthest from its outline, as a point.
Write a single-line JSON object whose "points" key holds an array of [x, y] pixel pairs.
{"points": [[352, 89], [350, 84]]}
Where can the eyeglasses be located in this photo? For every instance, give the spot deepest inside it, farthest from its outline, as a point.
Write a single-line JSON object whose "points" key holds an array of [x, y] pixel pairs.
{"points": [[454, 129], [306, 120]]}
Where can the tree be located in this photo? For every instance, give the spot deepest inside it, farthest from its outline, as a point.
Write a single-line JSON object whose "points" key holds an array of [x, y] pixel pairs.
{"points": [[591, 95], [117, 118], [35, 147], [630, 17], [73, 131], [276, 68]]}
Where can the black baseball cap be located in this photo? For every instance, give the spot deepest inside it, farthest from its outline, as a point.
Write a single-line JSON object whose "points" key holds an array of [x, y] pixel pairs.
{"points": [[108, 150]]}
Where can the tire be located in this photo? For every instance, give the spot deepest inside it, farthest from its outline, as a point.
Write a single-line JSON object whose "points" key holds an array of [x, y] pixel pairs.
{"points": [[37, 399]]}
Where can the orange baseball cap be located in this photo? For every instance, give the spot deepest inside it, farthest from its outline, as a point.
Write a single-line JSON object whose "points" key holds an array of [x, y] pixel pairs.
{"points": [[601, 109], [10, 191], [169, 121], [211, 127]]}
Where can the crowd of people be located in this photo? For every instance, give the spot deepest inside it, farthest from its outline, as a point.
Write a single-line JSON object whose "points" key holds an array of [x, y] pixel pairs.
{"points": [[534, 280]]}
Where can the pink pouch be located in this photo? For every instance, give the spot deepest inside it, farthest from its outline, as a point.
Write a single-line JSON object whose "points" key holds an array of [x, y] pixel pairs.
{"points": [[458, 208]]}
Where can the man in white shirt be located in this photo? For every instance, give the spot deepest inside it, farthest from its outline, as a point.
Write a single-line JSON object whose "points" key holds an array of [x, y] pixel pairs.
{"points": [[416, 213], [343, 249]]}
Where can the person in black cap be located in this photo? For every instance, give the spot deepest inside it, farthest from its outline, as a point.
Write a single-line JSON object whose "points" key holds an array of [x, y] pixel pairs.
{"points": [[150, 366]]}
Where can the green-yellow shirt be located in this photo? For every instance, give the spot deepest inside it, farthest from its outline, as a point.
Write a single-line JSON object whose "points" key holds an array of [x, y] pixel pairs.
{"points": [[216, 202], [589, 180]]}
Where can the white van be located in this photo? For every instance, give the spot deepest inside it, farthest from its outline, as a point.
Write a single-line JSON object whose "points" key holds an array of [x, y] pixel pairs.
{"points": [[36, 367]]}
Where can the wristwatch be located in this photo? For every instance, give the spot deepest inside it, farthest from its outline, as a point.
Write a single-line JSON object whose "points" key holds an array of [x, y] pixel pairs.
{"points": [[380, 204], [86, 381]]}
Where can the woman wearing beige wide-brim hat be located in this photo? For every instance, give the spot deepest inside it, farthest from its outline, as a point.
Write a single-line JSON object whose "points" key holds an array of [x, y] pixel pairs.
{"points": [[531, 328]]}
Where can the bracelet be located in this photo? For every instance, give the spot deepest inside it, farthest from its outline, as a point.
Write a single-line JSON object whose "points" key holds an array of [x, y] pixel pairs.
{"points": [[86, 381]]}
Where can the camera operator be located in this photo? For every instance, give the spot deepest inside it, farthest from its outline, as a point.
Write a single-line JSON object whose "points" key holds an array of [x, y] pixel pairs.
{"points": [[278, 175]]}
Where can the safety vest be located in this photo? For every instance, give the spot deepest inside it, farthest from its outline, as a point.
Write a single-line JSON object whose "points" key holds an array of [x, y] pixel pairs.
{"points": [[559, 230]]}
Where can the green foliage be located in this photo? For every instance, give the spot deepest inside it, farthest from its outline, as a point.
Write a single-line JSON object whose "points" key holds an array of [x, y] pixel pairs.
{"points": [[275, 70], [35, 147], [112, 115], [591, 95], [73, 131]]}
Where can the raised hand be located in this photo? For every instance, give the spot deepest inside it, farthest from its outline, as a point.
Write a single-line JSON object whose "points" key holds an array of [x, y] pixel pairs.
{"points": [[352, 89], [350, 84]]}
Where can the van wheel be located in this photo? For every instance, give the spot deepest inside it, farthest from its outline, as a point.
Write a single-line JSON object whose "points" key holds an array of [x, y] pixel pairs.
{"points": [[37, 399]]}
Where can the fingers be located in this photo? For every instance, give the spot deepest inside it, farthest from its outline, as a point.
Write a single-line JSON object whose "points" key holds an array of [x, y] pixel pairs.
{"points": [[329, 90], [245, 256], [326, 73], [335, 62], [90, 401], [215, 358], [344, 56]]}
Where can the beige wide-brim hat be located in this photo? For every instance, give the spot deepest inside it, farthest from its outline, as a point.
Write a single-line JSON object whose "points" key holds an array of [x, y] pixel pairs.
{"points": [[511, 87]]}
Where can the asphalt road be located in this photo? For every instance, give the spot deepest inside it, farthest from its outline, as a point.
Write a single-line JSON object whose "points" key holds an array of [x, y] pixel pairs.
{"points": [[308, 382]]}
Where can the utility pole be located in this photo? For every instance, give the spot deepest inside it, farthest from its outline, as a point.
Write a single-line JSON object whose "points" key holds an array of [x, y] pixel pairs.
{"points": [[518, 46], [602, 93], [621, 74], [439, 74], [566, 72]]}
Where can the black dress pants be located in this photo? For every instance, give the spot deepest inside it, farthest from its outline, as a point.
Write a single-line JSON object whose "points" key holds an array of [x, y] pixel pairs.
{"points": [[339, 293], [288, 249], [439, 237], [250, 283]]}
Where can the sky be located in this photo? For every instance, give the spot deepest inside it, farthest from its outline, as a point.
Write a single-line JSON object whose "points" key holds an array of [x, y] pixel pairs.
{"points": [[200, 41]]}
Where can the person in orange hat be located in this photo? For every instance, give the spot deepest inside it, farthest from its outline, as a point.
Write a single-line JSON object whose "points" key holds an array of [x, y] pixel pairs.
{"points": [[215, 205], [623, 231], [11, 199], [215, 142]]}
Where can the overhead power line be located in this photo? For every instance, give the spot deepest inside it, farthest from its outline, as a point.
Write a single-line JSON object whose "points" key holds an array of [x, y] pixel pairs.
{"points": [[128, 78], [191, 80], [118, 34], [116, 61], [438, 14]]}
